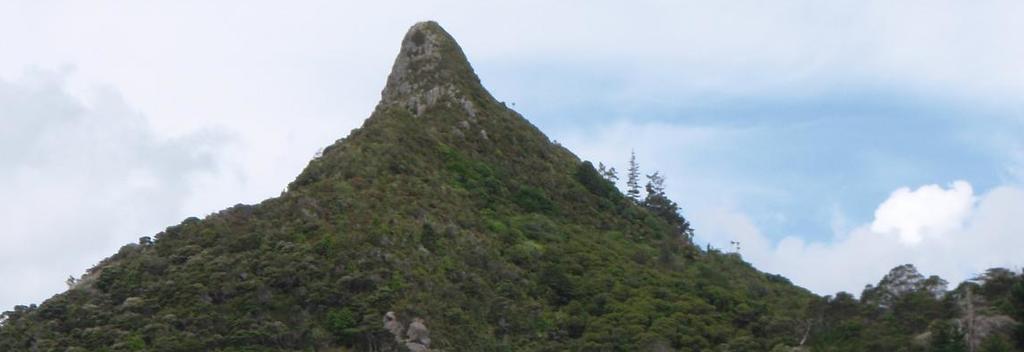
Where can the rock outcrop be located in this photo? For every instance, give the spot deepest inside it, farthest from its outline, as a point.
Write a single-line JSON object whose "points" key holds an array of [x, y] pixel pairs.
{"points": [[416, 337], [431, 68]]}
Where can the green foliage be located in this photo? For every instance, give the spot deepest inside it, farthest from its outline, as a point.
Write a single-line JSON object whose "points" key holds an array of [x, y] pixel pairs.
{"points": [[914, 317], [500, 241], [342, 324], [633, 178], [1017, 310], [946, 337], [996, 343], [533, 200], [660, 205], [132, 343], [594, 182], [996, 284]]}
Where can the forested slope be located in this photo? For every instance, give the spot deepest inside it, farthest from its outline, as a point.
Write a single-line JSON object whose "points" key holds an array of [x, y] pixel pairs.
{"points": [[446, 222]]}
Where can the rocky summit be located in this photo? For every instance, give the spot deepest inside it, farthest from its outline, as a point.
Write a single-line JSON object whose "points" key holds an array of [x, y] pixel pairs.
{"points": [[448, 222]]}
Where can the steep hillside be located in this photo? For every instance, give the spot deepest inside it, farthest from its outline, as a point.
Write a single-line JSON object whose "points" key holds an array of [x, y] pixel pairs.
{"points": [[446, 222]]}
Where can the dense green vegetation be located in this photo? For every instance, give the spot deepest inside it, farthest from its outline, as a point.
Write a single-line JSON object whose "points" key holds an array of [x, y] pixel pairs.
{"points": [[452, 211], [907, 312]]}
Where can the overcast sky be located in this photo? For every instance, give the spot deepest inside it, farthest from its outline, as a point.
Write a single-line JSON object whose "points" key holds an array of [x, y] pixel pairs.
{"points": [[833, 140]]}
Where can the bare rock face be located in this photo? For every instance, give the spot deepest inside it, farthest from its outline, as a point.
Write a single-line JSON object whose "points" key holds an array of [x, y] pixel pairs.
{"points": [[416, 338], [416, 347], [418, 332], [392, 325], [420, 54], [424, 71]]}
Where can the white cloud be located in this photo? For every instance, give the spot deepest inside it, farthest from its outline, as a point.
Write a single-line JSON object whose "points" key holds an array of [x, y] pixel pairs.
{"points": [[1016, 167], [949, 231], [929, 210], [287, 81], [80, 178], [190, 64], [986, 234]]}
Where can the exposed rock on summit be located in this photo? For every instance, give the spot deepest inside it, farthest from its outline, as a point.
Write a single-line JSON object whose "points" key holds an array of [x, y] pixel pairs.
{"points": [[445, 210], [431, 68]]}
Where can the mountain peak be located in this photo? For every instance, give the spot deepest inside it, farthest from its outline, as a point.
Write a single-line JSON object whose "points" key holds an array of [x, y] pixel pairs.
{"points": [[445, 209], [430, 66]]}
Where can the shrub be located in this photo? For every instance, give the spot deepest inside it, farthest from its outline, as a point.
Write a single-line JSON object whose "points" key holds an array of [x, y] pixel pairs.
{"points": [[593, 182], [342, 324], [533, 200]]}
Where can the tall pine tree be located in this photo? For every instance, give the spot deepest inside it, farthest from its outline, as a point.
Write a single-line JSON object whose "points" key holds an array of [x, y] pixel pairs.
{"points": [[633, 178]]}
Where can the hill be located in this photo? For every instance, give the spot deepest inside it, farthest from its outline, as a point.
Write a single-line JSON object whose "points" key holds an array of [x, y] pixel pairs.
{"points": [[446, 222]]}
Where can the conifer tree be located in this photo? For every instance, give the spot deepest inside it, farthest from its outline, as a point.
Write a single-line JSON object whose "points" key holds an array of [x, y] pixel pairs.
{"points": [[659, 203], [633, 178], [609, 173], [655, 185]]}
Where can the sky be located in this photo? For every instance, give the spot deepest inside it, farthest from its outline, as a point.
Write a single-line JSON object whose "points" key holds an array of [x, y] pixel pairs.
{"points": [[833, 140]]}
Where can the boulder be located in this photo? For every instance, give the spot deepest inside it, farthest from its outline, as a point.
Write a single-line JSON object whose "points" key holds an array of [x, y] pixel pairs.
{"points": [[418, 332]]}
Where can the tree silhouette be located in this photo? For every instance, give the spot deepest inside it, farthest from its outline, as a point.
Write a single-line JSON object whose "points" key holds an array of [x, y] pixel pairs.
{"points": [[659, 203], [633, 178]]}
